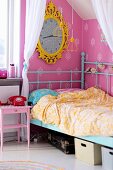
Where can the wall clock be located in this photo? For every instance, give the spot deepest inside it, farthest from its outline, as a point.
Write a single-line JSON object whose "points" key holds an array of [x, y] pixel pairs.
{"points": [[54, 35]]}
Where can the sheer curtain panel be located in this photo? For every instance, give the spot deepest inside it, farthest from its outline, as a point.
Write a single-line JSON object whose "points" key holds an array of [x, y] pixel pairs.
{"points": [[35, 11], [104, 13]]}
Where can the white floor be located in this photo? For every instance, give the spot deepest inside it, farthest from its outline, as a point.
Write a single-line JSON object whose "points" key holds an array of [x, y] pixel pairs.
{"points": [[45, 153]]}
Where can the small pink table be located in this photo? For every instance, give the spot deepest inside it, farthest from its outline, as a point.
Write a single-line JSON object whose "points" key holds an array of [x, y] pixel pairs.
{"points": [[6, 110]]}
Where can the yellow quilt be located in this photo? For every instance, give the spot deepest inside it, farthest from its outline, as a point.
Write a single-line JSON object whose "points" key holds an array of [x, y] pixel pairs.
{"points": [[83, 113]]}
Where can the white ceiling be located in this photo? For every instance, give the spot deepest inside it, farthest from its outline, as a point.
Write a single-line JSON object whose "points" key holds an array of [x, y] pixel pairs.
{"points": [[83, 8]]}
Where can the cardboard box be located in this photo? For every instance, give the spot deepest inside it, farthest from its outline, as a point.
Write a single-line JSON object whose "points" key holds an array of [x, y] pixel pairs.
{"points": [[88, 152], [107, 158]]}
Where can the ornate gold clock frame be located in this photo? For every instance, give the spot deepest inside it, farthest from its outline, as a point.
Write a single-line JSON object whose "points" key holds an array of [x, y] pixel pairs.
{"points": [[61, 30]]}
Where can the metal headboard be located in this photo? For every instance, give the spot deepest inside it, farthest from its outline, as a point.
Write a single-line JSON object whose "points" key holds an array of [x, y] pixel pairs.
{"points": [[70, 73], [69, 79], [84, 63]]}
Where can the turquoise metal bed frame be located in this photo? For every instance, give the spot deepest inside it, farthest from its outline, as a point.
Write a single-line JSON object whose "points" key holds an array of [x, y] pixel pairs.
{"points": [[105, 141]]}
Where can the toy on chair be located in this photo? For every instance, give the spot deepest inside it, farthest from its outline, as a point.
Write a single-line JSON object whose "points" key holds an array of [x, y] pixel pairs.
{"points": [[17, 100]]}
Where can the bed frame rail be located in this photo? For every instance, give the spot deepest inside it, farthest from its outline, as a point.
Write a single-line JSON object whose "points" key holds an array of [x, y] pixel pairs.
{"points": [[55, 73]]}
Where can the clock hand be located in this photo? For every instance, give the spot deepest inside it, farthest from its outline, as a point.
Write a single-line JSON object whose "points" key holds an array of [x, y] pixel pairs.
{"points": [[51, 36]]}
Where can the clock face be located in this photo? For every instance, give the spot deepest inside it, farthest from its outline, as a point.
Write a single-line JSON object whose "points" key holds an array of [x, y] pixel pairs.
{"points": [[51, 36]]}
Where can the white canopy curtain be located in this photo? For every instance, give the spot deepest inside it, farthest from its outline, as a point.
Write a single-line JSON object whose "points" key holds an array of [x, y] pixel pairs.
{"points": [[104, 13], [35, 11]]}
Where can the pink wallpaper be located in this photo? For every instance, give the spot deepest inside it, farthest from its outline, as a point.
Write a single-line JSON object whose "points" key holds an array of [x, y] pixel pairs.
{"points": [[88, 36], [96, 51], [70, 60]]}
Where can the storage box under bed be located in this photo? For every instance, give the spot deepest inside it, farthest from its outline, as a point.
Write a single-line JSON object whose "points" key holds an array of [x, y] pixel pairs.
{"points": [[61, 141]]}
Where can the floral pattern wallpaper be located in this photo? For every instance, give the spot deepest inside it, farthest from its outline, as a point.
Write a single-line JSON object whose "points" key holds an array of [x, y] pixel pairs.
{"points": [[97, 49], [70, 60], [89, 38]]}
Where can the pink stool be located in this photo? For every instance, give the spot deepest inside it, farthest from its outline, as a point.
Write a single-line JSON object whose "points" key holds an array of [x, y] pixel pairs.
{"points": [[6, 110]]}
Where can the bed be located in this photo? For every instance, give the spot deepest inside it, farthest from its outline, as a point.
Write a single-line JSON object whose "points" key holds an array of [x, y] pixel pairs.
{"points": [[103, 140]]}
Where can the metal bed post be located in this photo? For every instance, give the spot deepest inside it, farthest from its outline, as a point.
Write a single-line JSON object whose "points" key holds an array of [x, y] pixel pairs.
{"points": [[82, 65], [71, 78], [96, 74], [107, 77], [60, 84], [38, 80]]}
